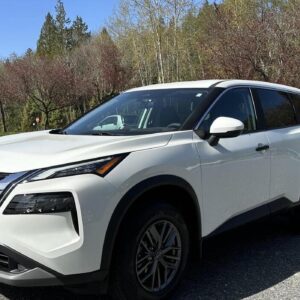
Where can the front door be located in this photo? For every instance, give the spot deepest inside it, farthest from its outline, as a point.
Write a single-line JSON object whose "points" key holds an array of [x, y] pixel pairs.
{"points": [[236, 172]]}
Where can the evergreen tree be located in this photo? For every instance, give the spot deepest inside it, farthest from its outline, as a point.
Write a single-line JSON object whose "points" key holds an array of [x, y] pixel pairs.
{"points": [[29, 52], [79, 32], [58, 37], [62, 22], [47, 44], [61, 19]]}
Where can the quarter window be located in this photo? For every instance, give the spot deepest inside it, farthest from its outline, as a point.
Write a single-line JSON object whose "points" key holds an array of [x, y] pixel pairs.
{"points": [[236, 103], [277, 108]]}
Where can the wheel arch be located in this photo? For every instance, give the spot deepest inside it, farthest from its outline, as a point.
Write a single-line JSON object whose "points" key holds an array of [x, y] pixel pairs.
{"points": [[130, 200]]}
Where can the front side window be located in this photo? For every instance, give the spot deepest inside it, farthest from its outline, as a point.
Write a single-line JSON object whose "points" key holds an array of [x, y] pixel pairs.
{"points": [[236, 103], [140, 112], [277, 108]]}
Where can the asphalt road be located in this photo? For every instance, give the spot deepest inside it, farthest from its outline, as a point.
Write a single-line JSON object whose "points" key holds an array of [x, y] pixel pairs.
{"points": [[257, 261]]}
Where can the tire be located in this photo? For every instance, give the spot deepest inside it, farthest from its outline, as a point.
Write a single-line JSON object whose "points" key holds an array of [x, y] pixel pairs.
{"points": [[294, 215], [138, 254]]}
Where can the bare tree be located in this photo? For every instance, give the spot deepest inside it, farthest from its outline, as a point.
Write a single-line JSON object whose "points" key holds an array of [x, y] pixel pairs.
{"points": [[254, 40], [48, 83], [99, 64], [10, 92]]}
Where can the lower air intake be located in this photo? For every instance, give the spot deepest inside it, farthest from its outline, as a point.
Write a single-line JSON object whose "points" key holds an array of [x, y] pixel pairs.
{"points": [[6, 263]]}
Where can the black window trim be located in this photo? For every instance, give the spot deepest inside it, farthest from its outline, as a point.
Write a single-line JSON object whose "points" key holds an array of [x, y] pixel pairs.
{"points": [[260, 109], [289, 94], [259, 124]]}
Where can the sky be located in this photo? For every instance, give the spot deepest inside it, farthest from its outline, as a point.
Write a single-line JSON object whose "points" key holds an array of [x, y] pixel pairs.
{"points": [[21, 20]]}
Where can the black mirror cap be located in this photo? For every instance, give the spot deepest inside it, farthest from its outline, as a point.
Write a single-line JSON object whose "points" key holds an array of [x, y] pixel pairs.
{"points": [[229, 134], [213, 139]]}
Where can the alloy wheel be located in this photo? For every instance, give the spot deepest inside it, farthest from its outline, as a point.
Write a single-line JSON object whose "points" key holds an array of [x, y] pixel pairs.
{"points": [[158, 256]]}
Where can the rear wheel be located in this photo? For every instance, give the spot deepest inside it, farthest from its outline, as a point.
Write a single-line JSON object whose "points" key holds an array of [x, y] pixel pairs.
{"points": [[152, 254]]}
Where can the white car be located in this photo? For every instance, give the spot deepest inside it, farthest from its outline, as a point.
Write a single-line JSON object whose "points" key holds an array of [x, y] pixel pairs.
{"points": [[113, 122], [126, 206]]}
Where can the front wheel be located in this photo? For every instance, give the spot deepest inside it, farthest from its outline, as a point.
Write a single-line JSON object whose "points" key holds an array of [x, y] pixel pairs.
{"points": [[294, 215], [152, 254]]}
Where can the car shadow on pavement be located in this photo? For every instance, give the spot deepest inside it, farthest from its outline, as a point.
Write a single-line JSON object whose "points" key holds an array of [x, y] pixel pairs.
{"points": [[235, 265]]}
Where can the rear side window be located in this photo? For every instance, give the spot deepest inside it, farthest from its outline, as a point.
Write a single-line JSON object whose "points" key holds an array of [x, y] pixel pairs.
{"points": [[296, 102], [277, 108]]}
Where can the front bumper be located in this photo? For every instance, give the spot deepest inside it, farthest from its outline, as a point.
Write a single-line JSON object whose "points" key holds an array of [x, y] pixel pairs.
{"points": [[48, 248], [30, 278], [20, 271]]}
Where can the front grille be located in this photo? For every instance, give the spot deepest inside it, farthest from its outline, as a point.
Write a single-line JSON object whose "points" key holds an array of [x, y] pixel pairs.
{"points": [[7, 264]]}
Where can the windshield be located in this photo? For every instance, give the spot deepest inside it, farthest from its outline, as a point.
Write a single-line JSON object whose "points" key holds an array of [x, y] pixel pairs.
{"points": [[140, 112]]}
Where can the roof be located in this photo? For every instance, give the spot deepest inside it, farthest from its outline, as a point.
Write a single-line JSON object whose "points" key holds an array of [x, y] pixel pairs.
{"points": [[177, 85], [232, 83], [216, 82]]}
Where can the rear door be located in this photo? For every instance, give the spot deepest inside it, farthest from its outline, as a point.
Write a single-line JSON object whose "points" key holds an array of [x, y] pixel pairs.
{"points": [[236, 172], [283, 131]]}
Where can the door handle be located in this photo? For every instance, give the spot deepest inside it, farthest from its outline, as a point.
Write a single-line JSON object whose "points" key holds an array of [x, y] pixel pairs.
{"points": [[262, 147]]}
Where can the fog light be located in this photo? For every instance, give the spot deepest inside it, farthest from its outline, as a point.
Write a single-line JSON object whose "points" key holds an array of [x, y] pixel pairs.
{"points": [[21, 268]]}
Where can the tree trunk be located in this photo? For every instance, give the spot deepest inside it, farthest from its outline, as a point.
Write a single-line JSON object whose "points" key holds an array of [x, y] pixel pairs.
{"points": [[47, 113], [3, 117]]}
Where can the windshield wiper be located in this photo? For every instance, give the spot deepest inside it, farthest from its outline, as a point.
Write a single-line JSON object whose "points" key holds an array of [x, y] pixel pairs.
{"points": [[57, 131], [102, 133]]}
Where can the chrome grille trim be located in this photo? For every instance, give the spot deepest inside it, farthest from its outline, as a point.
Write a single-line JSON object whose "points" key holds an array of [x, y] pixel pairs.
{"points": [[8, 182]]}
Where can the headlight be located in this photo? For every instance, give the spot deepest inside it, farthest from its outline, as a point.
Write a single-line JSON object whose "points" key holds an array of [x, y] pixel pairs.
{"points": [[48, 203], [99, 167], [40, 204]]}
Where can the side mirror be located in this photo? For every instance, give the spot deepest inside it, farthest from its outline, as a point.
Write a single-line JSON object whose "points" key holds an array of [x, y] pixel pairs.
{"points": [[224, 127]]}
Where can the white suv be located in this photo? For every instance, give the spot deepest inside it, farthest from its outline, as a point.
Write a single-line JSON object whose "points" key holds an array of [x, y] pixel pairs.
{"points": [[125, 203]]}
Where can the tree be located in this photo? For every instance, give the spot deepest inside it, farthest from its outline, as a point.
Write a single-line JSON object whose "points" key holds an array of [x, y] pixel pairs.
{"points": [[63, 32], [153, 29], [4, 88], [57, 37], [248, 39], [99, 64], [48, 42], [79, 33], [148, 41], [10, 92], [109, 75], [48, 83]]}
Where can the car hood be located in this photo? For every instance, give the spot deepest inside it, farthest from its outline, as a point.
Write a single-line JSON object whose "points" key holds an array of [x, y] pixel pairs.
{"points": [[35, 150]]}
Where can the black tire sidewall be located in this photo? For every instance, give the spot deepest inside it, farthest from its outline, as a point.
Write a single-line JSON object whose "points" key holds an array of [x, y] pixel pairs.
{"points": [[124, 270]]}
